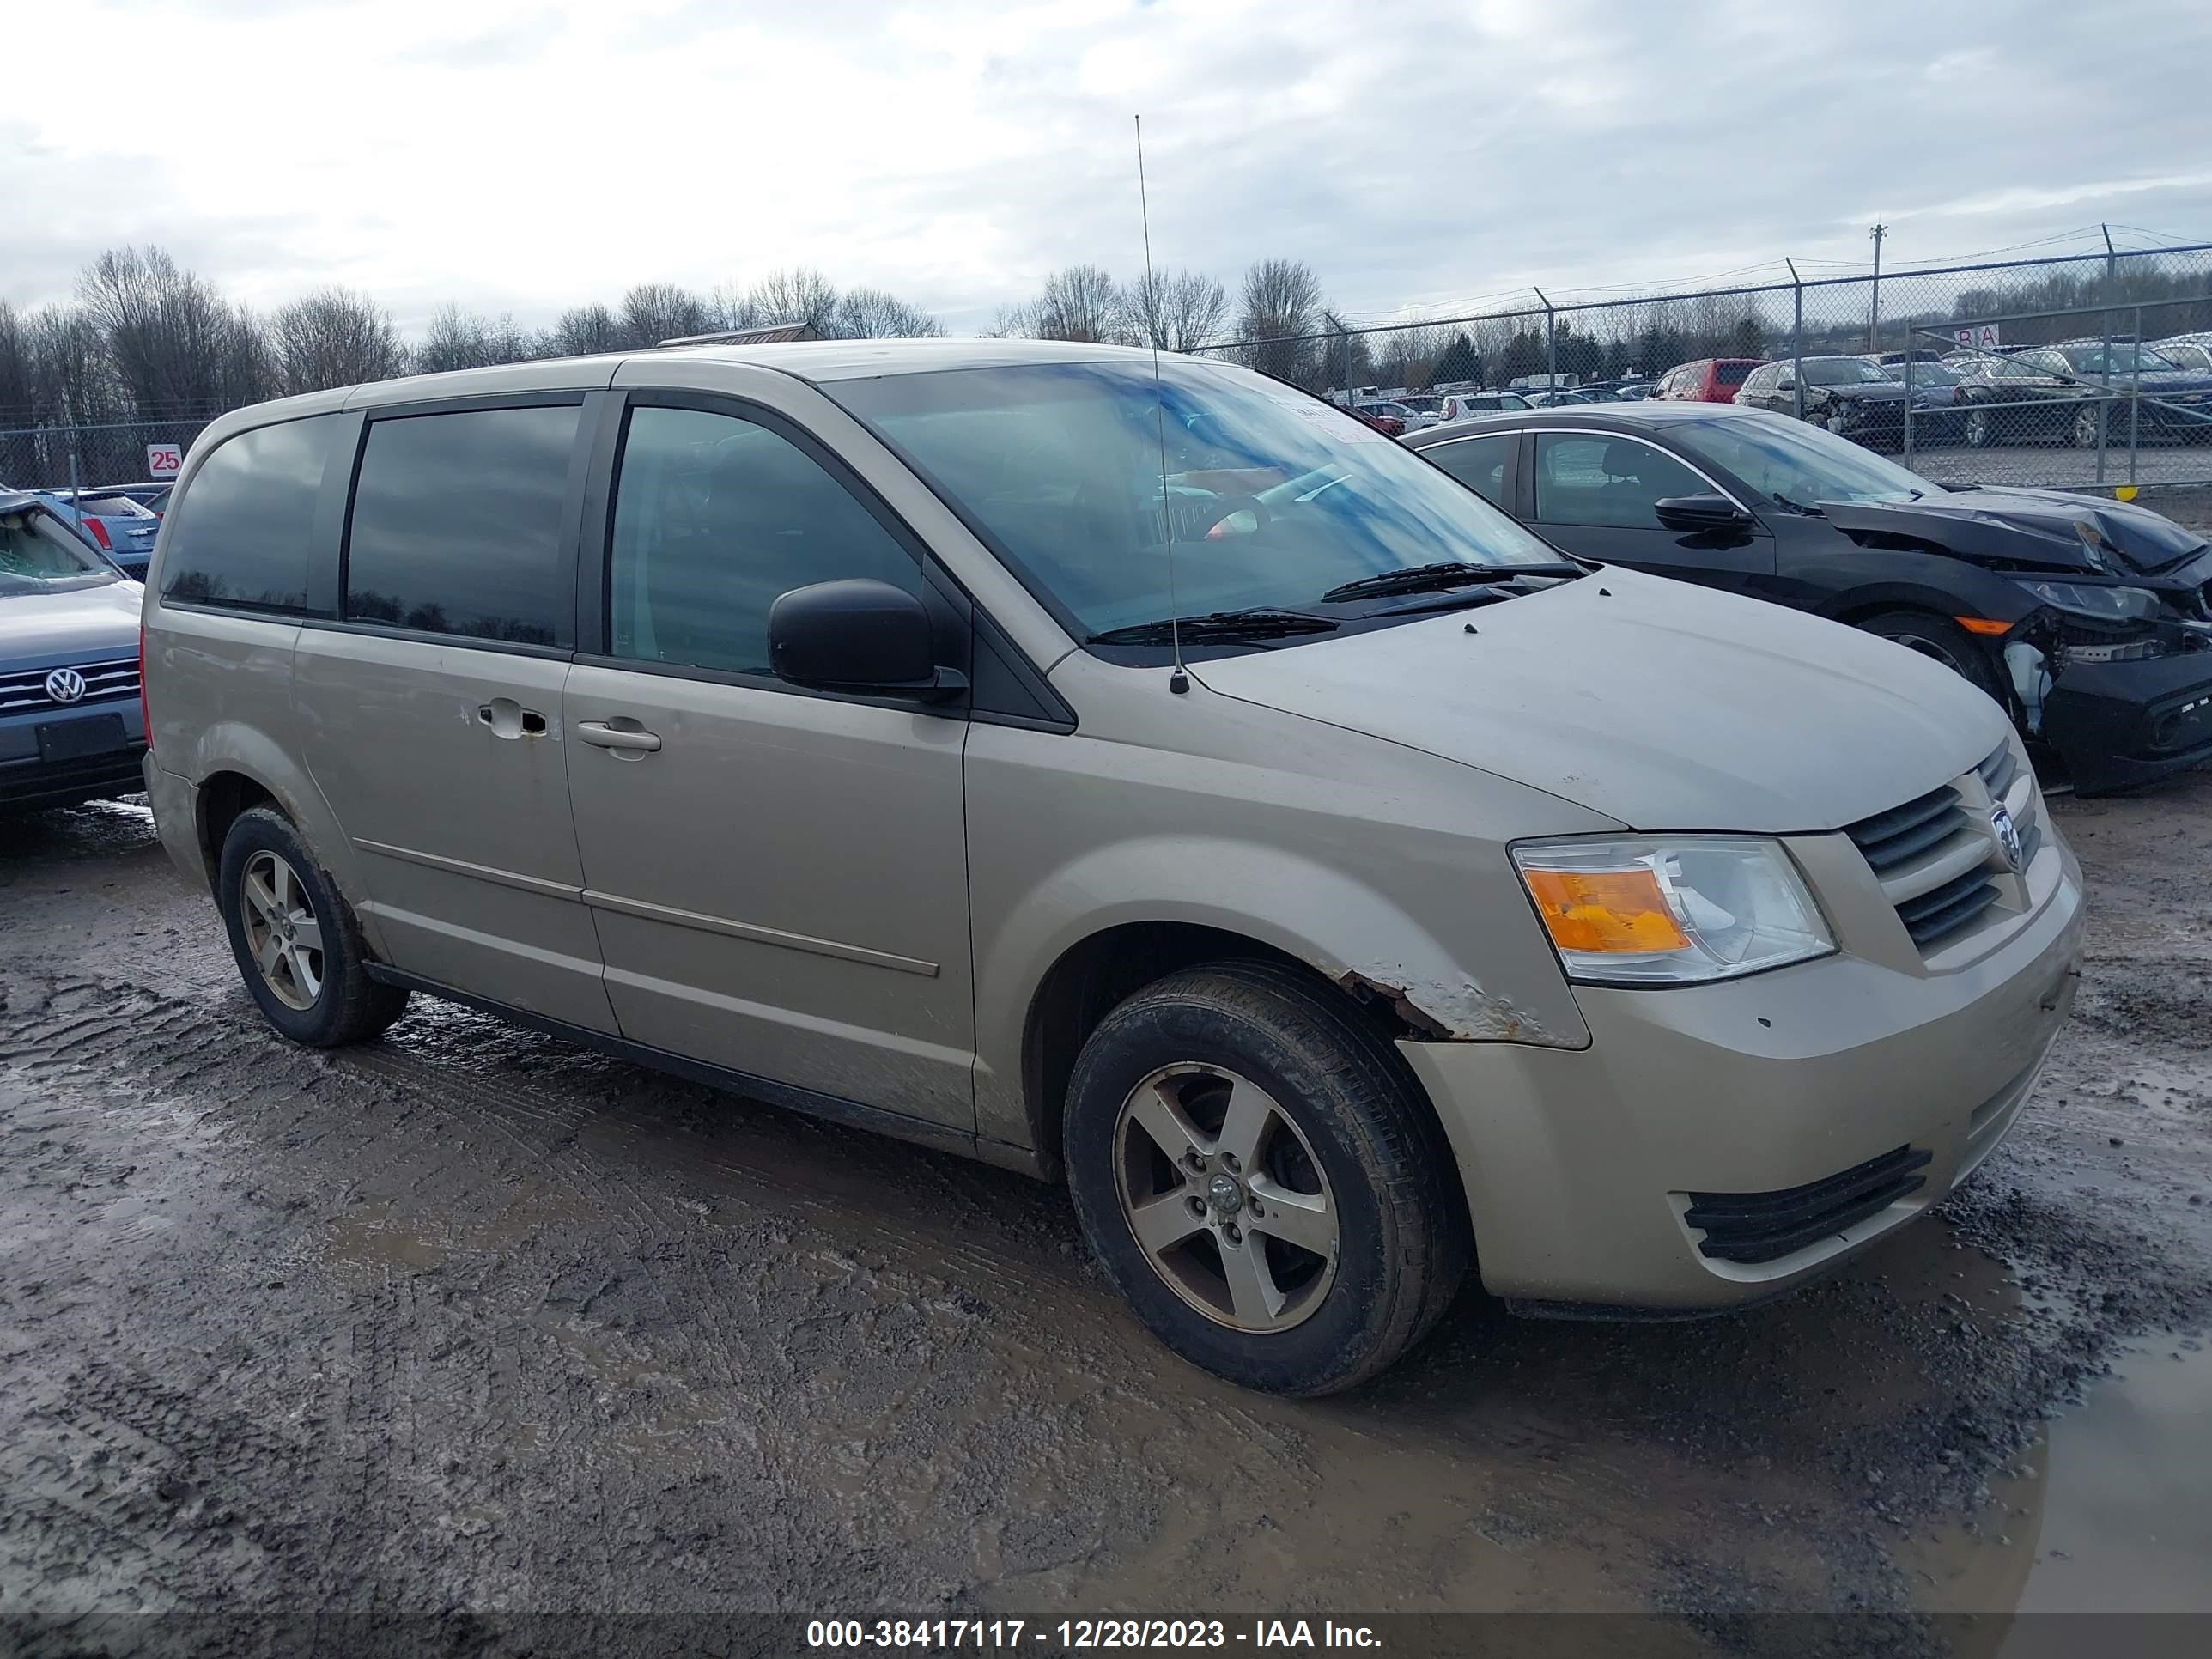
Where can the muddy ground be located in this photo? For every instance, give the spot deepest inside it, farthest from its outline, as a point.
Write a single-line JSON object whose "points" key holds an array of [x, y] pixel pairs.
{"points": [[468, 1322]]}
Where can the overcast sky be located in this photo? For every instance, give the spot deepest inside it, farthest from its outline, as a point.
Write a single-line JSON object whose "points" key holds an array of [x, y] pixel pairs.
{"points": [[518, 155]]}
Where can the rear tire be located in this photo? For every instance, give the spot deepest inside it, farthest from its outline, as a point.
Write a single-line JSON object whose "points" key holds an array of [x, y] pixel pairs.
{"points": [[1330, 1246], [298, 947], [1944, 641]]}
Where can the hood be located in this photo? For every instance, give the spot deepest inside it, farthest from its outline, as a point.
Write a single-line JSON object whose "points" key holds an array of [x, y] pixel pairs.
{"points": [[2028, 527], [1875, 391], [84, 624], [1662, 705]]}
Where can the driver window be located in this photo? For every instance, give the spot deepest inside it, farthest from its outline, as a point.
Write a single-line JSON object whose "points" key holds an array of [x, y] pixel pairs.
{"points": [[1588, 478], [715, 518]]}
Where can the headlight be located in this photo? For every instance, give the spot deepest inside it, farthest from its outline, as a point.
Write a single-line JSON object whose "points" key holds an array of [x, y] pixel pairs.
{"points": [[2109, 604], [1671, 910]]}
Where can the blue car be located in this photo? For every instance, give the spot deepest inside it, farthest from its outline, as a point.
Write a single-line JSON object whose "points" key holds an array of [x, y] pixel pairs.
{"points": [[116, 525]]}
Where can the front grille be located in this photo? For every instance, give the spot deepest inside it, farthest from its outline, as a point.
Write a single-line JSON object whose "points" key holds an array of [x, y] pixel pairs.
{"points": [[1755, 1227], [104, 682], [1944, 910], [1903, 833], [1937, 856], [1999, 771]]}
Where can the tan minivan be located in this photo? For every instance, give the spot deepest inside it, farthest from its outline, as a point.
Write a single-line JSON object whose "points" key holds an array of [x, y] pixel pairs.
{"points": [[1141, 774]]}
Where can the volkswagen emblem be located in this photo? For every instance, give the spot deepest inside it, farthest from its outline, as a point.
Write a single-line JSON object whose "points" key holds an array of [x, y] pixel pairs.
{"points": [[65, 685], [2008, 834]]}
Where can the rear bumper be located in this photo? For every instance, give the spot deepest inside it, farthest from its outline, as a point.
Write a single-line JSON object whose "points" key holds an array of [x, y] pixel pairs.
{"points": [[2123, 723], [175, 802], [1716, 1145]]}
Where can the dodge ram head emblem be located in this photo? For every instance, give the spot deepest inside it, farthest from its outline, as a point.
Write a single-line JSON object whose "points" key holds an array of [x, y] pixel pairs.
{"points": [[2008, 834], [65, 685]]}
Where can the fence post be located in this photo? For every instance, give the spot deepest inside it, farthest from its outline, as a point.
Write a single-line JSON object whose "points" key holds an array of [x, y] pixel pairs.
{"points": [[2134, 403], [1797, 337], [1551, 345], [2104, 387], [1909, 365]]}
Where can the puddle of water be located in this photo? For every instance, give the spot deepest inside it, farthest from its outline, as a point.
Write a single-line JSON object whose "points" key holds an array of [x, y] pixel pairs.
{"points": [[2119, 1508]]}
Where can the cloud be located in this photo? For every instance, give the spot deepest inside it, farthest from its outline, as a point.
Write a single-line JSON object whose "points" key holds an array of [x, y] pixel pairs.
{"points": [[955, 151]]}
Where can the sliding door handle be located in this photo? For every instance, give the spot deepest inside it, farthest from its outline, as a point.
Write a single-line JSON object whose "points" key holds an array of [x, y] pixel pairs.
{"points": [[629, 737]]}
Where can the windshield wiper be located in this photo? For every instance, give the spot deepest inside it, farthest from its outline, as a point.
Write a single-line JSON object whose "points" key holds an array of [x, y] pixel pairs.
{"points": [[1420, 578], [1798, 508], [1216, 628]]}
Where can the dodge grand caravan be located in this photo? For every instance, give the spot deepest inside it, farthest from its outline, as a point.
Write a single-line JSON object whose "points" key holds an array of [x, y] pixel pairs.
{"points": [[1152, 778]]}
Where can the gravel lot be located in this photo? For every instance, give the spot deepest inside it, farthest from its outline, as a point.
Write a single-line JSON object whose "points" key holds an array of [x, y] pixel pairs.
{"points": [[468, 1322]]}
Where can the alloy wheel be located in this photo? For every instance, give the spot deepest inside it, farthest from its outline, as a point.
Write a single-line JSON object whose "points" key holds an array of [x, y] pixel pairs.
{"points": [[1929, 648], [282, 934], [1222, 1192]]}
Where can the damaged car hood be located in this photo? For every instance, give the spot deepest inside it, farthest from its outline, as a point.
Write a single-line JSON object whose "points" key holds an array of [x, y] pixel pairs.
{"points": [[1662, 705], [2027, 527]]}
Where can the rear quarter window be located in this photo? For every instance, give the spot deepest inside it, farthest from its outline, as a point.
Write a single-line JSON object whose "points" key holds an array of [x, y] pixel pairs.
{"points": [[243, 526]]}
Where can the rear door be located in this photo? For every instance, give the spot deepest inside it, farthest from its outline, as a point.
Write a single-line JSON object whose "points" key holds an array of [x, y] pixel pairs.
{"points": [[431, 708], [1483, 462], [1595, 493], [778, 876]]}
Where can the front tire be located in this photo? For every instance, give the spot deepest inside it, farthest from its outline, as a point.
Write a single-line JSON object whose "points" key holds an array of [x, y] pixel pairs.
{"points": [[1978, 428], [1941, 640], [2085, 426], [298, 947], [1256, 1172]]}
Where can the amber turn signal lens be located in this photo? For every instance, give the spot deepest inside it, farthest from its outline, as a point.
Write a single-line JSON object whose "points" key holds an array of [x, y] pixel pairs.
{"points": [[1982, 625], [1619, 912]]}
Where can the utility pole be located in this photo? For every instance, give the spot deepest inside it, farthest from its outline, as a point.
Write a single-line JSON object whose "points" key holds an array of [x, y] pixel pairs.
{"points": [[1873, 316]]}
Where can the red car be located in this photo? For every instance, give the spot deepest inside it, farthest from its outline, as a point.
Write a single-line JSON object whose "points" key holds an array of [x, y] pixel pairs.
{"points": [[1381, 418], [1706, 380]]}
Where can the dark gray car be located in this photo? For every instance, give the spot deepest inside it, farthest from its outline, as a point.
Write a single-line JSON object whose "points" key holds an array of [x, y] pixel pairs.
{"points": [[1849, 396], [71, 725]]}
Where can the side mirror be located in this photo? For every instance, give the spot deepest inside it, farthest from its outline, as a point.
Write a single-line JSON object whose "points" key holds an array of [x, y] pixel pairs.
{"points": [[857, 635], [1692, 513]]}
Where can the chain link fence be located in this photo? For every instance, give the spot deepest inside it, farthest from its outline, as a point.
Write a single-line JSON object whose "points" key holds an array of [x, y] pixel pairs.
{"points": [[2083, 371], [34, 457]]}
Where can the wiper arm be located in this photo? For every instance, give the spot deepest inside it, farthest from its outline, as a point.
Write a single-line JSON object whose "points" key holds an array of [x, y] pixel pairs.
{"points": [[1216, 627], [1798, 508], [1420, 578]]}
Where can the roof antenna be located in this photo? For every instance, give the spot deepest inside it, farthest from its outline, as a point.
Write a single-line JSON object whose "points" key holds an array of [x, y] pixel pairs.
{"points": [[1178, 682]]}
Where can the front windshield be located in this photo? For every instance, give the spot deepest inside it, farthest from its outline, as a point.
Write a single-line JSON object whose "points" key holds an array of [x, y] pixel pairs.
{"points": [[1801, 462], [1924, 374], [1274, 497], [1841, 371], [38, 556]]}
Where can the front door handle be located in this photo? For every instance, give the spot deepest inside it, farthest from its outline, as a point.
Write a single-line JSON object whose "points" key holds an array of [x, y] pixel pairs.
{"points": [[508, 718], [629, 737]]}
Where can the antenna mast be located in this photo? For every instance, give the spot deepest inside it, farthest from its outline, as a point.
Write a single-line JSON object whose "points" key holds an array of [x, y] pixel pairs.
{"points": [[1178, 680]]}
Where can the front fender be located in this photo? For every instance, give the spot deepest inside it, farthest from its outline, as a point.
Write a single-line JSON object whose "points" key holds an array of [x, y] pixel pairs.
{"points": [[1349, 930]]}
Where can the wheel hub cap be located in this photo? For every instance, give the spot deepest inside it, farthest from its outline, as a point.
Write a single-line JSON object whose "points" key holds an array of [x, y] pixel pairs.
{"points": [[1222, 1193]]}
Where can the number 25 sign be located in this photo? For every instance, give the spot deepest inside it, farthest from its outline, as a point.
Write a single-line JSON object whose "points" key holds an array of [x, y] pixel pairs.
{"points": [[162, 460]]}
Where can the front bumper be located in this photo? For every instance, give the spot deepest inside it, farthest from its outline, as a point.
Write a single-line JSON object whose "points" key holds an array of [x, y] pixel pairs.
{"points": [[2122, 723], [1582, 1166], [30, 783]]}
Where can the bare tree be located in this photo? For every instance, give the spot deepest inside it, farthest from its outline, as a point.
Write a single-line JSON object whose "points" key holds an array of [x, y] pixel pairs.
{"points": [[72, 377], [466, 339], [584, 329], [653, 312], [18, 374], [1082, 302], [1282, 301], [333, 336], [1174, 310], [165, 330], [800, 294], [870, 314]]}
